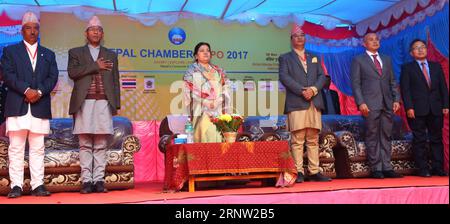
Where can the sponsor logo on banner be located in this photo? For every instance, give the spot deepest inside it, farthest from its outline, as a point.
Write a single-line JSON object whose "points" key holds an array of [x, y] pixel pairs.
{"points": [[149, 83], [128, 83], [249, 86], [177, 35], [233, 85], [265, 86]]}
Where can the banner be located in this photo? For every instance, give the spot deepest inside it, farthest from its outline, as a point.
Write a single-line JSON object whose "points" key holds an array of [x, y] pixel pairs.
{"points": [[152, 60]]}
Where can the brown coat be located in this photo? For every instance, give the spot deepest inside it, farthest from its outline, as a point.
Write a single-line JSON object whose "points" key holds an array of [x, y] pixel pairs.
{"points": [[82, 68]]}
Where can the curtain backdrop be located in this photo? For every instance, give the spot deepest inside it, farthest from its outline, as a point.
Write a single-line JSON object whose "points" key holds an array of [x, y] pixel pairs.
{"points": [[149, 161], [434, 30]]}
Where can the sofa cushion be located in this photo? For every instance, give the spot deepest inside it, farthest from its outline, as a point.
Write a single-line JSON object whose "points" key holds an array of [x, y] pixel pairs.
{"points": [[356, 125], [71, 157], [61, 161], [61, 137]]}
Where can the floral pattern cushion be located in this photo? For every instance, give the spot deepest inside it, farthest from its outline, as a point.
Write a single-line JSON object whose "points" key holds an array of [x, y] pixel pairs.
{"points": [[65, 158], [399, 148]]}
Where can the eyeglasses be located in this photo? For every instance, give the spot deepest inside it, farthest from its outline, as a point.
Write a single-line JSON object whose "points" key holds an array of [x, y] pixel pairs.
{"points": [[419, 48]]}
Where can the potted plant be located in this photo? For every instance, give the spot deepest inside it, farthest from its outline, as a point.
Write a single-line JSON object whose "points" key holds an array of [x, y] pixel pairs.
{"points": [[228, 125]]}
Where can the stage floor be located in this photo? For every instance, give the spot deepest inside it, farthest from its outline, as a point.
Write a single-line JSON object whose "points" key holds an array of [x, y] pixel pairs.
{"points": [[253, 193]]}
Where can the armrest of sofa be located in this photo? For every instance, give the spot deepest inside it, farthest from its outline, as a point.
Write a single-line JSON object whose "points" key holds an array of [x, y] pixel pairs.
{"points": [[328, 141], [4, 143], [165, 141], [347, 143], [130, 146], [344, 150]]}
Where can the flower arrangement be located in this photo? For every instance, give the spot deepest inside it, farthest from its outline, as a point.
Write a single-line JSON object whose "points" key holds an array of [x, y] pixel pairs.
{"points": [[227, 122]]}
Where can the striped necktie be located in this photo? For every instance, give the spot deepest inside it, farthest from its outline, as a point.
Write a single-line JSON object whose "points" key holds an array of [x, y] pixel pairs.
{"points": [[425, 73]]}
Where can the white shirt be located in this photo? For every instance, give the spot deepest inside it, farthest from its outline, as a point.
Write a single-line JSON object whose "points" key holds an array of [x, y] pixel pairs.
{"points": [[378, 57], [95, 51], [31, 50]]}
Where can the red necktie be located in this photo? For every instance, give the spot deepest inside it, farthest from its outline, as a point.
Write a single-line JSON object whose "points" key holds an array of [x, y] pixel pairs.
{"points": [[377, 64], [425, 73]]}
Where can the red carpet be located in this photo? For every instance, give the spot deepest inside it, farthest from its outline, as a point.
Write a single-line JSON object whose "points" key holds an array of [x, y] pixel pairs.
{"points": [[152, 192]]}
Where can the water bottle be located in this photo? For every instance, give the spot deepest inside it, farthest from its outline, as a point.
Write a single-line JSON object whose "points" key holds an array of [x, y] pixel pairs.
{"points": [[189, 130]]}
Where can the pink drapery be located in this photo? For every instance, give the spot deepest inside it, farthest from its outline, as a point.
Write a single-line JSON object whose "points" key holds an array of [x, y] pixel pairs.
{"points": [[347, 103], [149, 161]]}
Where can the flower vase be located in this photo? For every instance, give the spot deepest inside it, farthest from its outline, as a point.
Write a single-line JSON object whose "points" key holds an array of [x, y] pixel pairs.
{"points": [[229, 137]]}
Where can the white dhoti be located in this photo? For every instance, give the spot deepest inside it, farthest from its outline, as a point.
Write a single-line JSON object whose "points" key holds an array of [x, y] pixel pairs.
{"points": [[94, 117], [19, 129], [93, 124]]}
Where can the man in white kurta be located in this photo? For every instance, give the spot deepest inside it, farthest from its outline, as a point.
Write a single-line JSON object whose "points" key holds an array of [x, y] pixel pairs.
{"points": [[30, 72]]}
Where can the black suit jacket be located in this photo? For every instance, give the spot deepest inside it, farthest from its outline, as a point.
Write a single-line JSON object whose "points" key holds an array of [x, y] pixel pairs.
{"points": [[334, 99], [416, 93], [18, 76], [3, 92]]}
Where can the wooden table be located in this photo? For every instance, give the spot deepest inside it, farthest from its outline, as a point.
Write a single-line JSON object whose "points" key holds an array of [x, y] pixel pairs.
{"points": [[216, 161]]}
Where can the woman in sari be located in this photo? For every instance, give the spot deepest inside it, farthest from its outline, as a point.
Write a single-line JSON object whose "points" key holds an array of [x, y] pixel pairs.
{"points": [[206, 94]]}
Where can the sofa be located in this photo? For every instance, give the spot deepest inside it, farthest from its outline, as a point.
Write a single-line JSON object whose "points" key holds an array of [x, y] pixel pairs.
{"points": [[342, 152], [259, 128], [350, 150], [61, 161], [274, 128]]}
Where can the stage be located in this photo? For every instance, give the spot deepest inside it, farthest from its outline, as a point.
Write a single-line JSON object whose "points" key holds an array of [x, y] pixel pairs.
{"points": [[408, 190]]}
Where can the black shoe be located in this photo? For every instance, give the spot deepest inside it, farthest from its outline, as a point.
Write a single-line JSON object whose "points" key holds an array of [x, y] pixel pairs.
{"points": [[15, 192], [99, 187], [318, 177], [423, 173], [377, 175], [300, 178], [391, 174], [86, 188], [40, 191], [440, 173]]}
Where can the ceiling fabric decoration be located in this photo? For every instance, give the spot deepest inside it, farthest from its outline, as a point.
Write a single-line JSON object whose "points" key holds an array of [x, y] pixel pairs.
{"points": [[9, 29], [412, 20], [394, 13], [330, 22], [5, 20]]}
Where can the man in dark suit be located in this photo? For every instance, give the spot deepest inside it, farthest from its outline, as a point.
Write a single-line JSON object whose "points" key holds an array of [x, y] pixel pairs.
{"points": [[95, 99], [30, 73], [330, 99], [3, 91], [425, 97], [302, 75], [375, 91]]}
